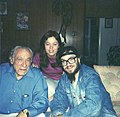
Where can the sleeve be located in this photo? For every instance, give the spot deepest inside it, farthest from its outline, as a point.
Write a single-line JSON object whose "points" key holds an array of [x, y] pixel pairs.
{"points": [[59, 104], [36, 59], [40, 97]]}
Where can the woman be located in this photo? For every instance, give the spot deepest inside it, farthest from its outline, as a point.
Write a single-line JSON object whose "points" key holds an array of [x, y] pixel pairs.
{"points": [[46, 60]]}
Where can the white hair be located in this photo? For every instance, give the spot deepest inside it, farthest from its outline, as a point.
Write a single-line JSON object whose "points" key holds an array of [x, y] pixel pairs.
{"points": [[14, 50]]}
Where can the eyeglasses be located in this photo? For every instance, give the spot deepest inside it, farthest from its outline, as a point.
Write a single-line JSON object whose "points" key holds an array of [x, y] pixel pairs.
{"points": [[71, 60]]}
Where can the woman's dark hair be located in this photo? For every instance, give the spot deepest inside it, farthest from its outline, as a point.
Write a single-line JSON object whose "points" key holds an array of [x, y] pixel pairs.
{"points": [[44, 61]]}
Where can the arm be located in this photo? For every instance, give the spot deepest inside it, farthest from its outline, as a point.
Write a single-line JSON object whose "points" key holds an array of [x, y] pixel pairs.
{"points": [[59, 104], [39, 96]]}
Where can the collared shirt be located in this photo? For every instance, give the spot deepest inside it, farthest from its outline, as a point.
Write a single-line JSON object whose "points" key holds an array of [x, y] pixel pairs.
{"points": [[88, 99], [30, 92]]}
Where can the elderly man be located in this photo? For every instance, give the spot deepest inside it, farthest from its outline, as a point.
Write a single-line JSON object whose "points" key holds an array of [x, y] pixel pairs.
{"points": [[80, 92], [23, 89]]}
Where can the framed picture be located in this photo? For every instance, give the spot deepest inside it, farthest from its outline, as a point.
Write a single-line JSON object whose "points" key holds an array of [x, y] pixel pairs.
{"points": [[108, 22], [22, 21], [3, 8]]}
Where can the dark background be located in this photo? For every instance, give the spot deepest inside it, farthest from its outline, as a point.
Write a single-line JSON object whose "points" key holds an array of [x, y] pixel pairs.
{"points": [[41, 19]]}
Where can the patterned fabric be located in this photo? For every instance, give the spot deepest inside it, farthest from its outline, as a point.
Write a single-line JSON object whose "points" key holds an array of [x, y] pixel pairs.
{"points": [[110, 76]]}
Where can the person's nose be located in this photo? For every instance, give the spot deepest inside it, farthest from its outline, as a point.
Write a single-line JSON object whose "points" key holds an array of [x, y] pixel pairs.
{"points": [[24, 64], [51, 47], [67, 63]]}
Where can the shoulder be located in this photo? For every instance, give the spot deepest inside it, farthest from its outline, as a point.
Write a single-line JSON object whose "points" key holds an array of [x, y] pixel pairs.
{"points": [[5, 66], [88, 73], [35, 76], [37, 54], [35, 72], [36, 59], [64, 79], [86, 69]]}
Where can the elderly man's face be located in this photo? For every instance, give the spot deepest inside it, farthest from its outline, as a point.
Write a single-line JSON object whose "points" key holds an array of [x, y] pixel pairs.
{"points": [[21, 62]]}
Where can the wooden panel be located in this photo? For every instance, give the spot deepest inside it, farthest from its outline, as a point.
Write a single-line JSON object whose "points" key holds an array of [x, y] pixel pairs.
{"points": [[102, 8], [41, 19], [76, 29]]}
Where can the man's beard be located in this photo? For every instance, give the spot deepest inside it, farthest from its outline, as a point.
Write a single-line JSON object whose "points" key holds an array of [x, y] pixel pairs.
{"points": [[71, 76]]}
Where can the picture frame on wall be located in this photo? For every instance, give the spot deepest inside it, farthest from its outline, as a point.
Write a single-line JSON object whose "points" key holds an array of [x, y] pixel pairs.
{"points": [[3, 8], [108, 22], [22, 21]]}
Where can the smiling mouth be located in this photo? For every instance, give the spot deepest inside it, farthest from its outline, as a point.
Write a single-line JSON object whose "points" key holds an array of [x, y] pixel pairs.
{"points": [[51, 51], [69, 66], [69, 69], [24, 70]]}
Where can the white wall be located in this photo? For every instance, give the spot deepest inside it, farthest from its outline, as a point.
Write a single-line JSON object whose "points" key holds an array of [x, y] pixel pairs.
{"points": [[107, 38]]}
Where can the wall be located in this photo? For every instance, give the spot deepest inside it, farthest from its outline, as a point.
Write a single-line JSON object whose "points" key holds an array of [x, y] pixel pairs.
{"points": [[102, 8], [41, 19], [107, 37]]}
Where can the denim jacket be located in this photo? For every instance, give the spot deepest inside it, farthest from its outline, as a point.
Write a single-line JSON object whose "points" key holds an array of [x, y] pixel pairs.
{"points": [[89, 99]]}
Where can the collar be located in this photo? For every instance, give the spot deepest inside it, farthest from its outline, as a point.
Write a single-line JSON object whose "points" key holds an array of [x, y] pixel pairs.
{"points": [[28, 74]]}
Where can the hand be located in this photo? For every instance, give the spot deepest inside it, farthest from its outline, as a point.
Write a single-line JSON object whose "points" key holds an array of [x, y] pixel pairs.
{"points": [[35, 65], [21, 114], [60, 115]]}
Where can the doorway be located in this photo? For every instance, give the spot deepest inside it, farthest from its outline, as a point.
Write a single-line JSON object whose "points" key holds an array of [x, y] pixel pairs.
{"points": [[91, 41]]}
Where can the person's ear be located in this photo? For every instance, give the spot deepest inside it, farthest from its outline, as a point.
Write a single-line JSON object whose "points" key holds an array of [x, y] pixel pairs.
{"points": [[11, 60], [79, 60]]}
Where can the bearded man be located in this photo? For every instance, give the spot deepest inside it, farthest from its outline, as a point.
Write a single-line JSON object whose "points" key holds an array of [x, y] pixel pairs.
{"points": [[80, 92]]}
